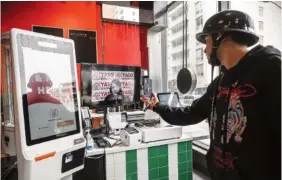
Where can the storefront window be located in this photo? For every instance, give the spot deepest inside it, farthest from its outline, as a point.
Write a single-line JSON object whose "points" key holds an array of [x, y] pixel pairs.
{"points": [[196, 60], [197, 14]]}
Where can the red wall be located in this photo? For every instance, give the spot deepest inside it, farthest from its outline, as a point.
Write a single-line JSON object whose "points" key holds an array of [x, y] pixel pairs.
{"points": [[123, 44], [58, 14]]}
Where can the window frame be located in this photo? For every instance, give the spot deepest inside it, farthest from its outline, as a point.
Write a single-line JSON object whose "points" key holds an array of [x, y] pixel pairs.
{"points": [[202, 69], [198, 7], [199, 59], [198, 27], [261, 24], [261, 10], [261, 39]]}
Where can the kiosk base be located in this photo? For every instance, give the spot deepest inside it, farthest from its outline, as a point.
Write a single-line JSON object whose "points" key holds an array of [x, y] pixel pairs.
{"points": [[67, 178], [9, 170]]}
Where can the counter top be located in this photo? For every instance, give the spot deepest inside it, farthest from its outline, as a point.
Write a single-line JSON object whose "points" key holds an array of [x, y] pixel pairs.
{"points": [[198, 131], [96, 115], [121, 147], [193, 132]]}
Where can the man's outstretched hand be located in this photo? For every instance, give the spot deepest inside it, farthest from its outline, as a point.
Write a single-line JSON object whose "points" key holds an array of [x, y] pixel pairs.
{"points": [[150, 103]]}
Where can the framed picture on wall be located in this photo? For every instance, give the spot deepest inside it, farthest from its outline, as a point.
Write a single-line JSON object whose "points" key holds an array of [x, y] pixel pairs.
{"points": [[54, 31], [85, 45]]}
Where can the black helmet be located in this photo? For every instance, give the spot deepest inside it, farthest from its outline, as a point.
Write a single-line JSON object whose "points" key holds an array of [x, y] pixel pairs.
{"points": [[229, 21], [226, 22]]}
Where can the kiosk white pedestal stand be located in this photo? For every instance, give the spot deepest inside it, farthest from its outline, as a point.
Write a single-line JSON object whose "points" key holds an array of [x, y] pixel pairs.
{"points": [[46, 106]]}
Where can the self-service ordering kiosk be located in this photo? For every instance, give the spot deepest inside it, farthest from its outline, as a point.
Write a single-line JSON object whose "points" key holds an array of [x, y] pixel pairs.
{"points": [[44, 113]]}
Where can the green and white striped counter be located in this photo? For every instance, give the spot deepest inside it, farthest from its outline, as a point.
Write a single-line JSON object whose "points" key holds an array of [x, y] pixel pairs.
{"points": [[163, 162]]}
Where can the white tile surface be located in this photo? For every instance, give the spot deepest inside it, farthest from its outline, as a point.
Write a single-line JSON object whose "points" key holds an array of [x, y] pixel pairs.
{"points": [[173, 177], [120, 177], [142, 153], [110, 171], [142, 164], [109, 160], [119, 157], [120, 169], [172, 161], [172, 148]]}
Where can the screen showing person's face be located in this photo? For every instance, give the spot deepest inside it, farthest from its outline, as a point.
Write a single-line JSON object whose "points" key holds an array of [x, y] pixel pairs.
{"points": [[111, 82], [115, 88]]}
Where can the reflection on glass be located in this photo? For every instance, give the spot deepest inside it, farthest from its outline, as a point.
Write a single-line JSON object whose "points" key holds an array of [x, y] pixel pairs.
{"points": [[174, 45], [50, 88], [198, 14]]}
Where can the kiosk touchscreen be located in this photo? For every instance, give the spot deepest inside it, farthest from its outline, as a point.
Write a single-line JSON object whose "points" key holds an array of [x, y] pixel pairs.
{"points": [[50, 142]]}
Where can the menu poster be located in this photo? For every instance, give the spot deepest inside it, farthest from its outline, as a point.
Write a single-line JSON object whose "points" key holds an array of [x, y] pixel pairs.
{"points": [[85, 45], [102, 81], [59, 32]]}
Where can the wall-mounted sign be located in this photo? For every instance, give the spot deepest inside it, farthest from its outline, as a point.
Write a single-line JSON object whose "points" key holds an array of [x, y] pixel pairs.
{"points": [[127, 14], [59, 32], [85, 45]]}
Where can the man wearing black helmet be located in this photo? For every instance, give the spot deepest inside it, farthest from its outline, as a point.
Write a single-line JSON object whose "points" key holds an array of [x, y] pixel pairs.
{"points": [[242, 104]]}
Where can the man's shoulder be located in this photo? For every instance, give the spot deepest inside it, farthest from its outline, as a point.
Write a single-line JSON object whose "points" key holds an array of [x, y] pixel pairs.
{"points": [[270, 55], [216, 79], [272, 62], [265, 60], [213, 84]]}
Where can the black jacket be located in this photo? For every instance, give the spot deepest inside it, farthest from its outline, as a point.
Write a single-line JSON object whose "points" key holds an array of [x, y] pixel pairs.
{"points": [[244, 118]]}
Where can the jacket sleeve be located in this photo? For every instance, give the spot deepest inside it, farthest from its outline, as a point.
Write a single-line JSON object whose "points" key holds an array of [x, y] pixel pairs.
{"points": [[197, 112], [271, 98], [270, 102]]}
